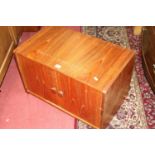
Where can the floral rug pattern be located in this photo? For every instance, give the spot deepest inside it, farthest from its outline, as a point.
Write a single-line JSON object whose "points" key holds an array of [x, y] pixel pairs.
{"points": [[131, 113]]}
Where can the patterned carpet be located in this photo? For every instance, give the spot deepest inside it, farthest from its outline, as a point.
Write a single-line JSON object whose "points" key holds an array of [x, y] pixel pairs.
{"points": [[140, 98]]}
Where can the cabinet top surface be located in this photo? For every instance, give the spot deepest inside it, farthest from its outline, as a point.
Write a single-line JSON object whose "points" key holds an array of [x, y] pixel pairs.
{"points": [[88, 59]]}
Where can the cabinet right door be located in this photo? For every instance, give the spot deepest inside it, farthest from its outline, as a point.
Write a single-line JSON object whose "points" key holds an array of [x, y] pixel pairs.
{"points": [[85, 102]]}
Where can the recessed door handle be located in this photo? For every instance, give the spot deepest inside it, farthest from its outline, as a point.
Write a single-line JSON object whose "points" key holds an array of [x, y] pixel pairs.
{"points": [[53, 89], [61, 93]]}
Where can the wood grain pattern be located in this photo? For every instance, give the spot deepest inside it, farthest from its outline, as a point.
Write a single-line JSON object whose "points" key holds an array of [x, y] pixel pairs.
{"points": [[79, 73]]}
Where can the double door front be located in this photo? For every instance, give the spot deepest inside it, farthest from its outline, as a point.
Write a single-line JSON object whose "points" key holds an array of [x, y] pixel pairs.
{"points": [[72, 96]]}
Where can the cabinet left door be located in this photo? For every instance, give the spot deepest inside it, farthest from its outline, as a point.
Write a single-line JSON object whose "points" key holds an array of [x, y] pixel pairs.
{"points": [[32, 75], [6, 47]]}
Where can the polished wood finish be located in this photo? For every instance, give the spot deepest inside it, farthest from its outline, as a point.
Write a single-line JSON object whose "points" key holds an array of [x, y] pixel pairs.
{"points": [[81, 75], [148, 54]]}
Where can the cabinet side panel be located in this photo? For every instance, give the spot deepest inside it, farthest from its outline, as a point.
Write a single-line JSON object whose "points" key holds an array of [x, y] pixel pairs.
{"points": [[116, 94]]}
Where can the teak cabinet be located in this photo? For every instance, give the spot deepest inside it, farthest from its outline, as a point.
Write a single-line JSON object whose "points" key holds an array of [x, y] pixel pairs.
{"points": [[79, 74]]}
